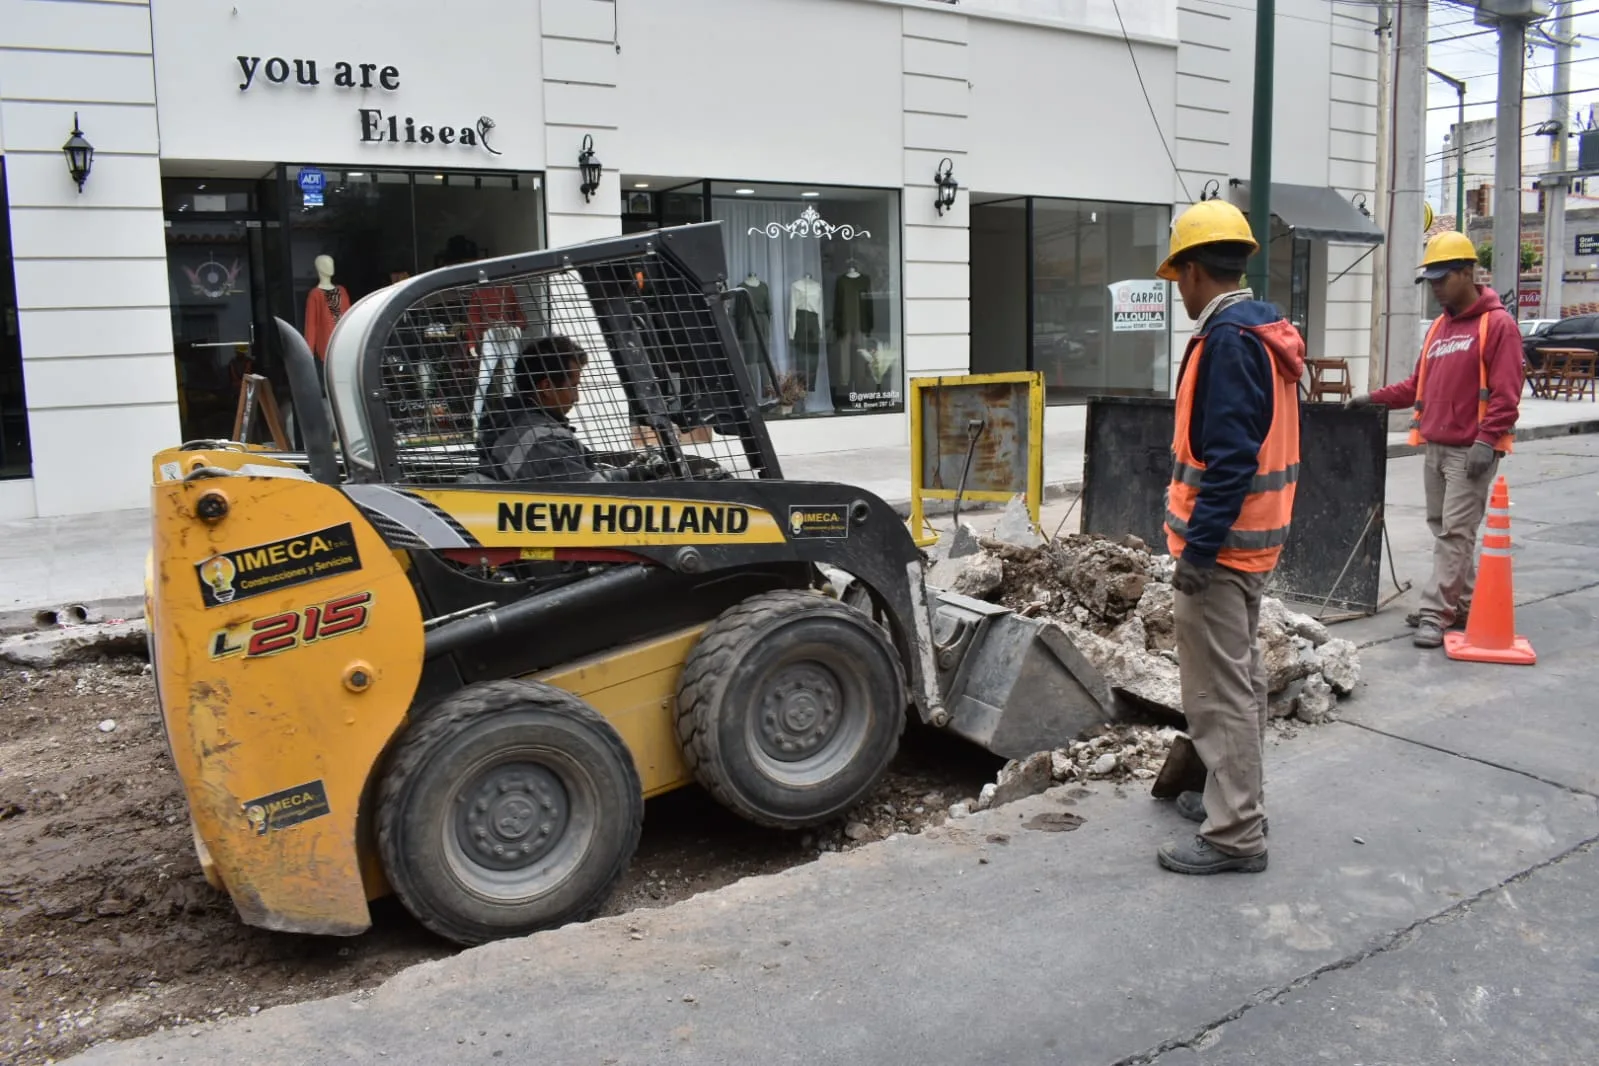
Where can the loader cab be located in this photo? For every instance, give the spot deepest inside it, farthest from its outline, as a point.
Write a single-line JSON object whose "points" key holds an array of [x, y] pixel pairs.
{"points": [[421, 374]]}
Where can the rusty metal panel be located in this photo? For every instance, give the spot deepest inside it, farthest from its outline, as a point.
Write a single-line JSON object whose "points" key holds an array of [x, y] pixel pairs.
{"points": [[996, 419], [999, 458]]}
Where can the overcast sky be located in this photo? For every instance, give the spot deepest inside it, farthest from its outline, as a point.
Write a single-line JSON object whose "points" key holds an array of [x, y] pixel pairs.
{"points": [[1470, 52]]}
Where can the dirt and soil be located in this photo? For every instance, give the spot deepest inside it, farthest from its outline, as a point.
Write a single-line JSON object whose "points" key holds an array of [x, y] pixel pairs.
{"points": [[108, 929]]}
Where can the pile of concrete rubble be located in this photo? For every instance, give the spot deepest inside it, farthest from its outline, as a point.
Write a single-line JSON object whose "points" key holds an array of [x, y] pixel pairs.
{"points": [[1114, 598]]}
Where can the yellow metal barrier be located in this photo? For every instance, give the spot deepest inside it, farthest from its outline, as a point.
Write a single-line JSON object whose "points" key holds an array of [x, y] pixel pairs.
{"points": [[1007, 457]]}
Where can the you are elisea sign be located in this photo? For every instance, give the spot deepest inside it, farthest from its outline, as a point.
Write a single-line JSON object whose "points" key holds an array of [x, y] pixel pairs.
{"points": [[375, 125]]}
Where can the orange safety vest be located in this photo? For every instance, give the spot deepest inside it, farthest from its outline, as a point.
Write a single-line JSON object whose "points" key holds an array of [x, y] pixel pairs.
{"points": [[1503, 444], [1256, 539]]}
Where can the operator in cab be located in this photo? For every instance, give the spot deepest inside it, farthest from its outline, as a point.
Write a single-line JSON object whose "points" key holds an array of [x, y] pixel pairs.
{"points": [[1235, 465], [526, 436]]}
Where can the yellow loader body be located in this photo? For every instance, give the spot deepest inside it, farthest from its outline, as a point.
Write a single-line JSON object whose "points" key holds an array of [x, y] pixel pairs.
{"points": [[287, 642]]}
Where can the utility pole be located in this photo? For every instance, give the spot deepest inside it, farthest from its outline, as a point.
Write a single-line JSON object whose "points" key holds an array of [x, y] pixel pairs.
{"points": [[1511, 17], [1401, 296], [1379, 258], [1459, 141], [1555, 180], [1260, 147]]}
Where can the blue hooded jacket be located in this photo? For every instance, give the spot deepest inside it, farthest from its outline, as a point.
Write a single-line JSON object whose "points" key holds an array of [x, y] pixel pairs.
{"points": [[1232, 413]]}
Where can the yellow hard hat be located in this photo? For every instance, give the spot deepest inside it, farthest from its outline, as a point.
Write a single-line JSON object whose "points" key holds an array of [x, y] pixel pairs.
{"points": [[1446, 252], [1207, 222]]}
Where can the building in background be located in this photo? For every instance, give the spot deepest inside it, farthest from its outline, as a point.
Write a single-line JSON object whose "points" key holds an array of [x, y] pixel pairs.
{"points": [[239, 158]]}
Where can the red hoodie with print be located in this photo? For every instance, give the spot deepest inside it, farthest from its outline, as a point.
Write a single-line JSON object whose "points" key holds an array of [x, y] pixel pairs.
{"points": [[1450, 407]]}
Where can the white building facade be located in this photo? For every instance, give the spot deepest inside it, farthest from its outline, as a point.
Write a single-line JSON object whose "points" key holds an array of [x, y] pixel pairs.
{"points": [[238, 144]]}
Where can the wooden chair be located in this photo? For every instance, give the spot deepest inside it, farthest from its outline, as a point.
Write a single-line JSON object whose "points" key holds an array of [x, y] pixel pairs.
{"points": [[1577, 378], [1329, 380], [1548, 380]]}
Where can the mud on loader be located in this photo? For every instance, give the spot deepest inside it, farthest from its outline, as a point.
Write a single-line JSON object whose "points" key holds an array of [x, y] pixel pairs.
{"points": [[383, 670]]}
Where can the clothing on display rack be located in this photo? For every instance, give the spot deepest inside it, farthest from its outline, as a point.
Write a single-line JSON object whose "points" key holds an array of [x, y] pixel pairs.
{"points": [[805, 327], [752, 318], [849, 370]]}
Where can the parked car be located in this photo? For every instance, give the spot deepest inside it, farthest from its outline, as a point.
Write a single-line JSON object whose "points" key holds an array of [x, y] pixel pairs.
{"points": [[1578, 331], [1531, 326]]}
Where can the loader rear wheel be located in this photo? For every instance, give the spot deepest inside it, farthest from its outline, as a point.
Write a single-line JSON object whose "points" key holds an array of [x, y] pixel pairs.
{"points": [[509, 807], [790, 708]]}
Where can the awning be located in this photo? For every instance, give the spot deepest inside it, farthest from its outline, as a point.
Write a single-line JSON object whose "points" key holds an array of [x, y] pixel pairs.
{"points": [[1315, 212]]}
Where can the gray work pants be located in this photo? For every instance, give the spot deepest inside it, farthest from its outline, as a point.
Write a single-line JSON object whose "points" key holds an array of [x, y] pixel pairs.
{"points": [[1455, 506], [1224, 700]]}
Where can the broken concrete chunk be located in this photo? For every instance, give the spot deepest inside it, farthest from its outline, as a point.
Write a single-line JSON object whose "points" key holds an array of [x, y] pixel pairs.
{"points": [[1339, 662], [962, 541], [1019, 779], [1274, 614], [1061, 767], [1316, 700], [986, 797], [1155, 611], [1104, 766], [53, 647], [1285, 704], [1016, 525], [980, 576]]}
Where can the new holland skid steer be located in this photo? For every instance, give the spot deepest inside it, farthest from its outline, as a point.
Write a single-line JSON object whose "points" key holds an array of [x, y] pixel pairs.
{"points": [[385, 669]]}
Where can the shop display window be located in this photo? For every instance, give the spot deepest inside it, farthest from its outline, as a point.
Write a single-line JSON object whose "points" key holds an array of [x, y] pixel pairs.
{"points": [[1068, 288], [821, 267], [15, 458], [306, 248]]}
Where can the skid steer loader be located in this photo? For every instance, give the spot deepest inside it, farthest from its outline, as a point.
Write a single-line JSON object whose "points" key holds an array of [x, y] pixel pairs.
{"points": [[405, 661]]}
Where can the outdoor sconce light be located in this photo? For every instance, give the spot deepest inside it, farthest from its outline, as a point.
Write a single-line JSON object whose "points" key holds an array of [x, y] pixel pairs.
{"points": [[590, 168], [1211, 191], [944, 178], [79, 153], [1359, 200]]}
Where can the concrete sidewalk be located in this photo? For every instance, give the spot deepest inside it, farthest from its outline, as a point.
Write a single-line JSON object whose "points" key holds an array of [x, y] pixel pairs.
{"points": [[48, 562], [1453, 808]]}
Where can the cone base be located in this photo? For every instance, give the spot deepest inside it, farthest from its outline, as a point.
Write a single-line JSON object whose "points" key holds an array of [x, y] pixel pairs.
{"points": [[1520, 653]]}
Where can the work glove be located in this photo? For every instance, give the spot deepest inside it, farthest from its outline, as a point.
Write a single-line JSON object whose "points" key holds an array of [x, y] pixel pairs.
{"points": [[650, 465], [1191, 580], [1479, 459], [1360, 399]]}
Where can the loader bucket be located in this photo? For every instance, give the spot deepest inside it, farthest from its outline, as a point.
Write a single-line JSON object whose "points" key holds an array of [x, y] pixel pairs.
{"points": [[1012, 685]]}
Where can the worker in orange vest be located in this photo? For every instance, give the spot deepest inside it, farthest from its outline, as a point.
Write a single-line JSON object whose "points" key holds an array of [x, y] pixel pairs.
{"points": [[1466, 391], [1235, 464]]}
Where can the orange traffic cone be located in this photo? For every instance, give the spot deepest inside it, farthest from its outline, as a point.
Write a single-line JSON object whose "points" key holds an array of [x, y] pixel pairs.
{"points": [[1490, 635]]}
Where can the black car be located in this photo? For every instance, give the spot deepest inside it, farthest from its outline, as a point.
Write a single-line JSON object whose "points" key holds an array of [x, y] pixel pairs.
{"points": [[1578, 331]]}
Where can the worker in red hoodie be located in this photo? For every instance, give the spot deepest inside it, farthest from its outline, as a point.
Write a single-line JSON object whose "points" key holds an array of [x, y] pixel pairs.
{"points": [[1466, 390], [1235, 467]]}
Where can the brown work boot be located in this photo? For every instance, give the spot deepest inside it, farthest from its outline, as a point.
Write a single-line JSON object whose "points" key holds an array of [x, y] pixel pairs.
{"points": [[1413, 619], [1199, 857], [1429, 634], [1191, 805]]}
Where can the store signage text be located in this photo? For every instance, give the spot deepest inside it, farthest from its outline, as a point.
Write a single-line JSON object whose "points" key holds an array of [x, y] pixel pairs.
{"points": [[377, 127], [1138, 306]]}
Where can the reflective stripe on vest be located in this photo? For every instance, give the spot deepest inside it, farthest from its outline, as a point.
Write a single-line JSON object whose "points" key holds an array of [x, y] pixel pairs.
{"points": [[1257, 536], [1505, 442]]}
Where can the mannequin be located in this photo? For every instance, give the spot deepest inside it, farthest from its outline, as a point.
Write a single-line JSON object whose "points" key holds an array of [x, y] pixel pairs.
{"points": [[805, 327], [324, 306], [848, 371], [752, 316], [495, 317]]}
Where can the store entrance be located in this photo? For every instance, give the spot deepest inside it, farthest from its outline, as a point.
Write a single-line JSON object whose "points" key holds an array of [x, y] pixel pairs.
{"points": [[243, 251]]}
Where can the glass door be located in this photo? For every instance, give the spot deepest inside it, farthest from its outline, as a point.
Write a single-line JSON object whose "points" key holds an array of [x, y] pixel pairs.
{"points": [[212, 277]]}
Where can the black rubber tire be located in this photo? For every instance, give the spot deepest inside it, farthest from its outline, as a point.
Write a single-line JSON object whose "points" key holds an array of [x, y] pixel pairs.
{"points": [[425, 804], [723, 702]]}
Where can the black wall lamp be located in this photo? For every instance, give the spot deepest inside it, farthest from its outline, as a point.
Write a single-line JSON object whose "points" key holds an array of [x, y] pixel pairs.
{"points": [[944, 177], [590, 168], [79, 153]]}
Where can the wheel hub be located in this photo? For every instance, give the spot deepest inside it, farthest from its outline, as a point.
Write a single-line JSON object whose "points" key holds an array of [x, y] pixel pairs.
{"points": [[799, 713], [511, 816]]}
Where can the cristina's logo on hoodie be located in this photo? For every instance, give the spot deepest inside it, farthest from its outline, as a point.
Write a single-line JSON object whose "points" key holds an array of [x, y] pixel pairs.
{"points": [[1450, 345]]}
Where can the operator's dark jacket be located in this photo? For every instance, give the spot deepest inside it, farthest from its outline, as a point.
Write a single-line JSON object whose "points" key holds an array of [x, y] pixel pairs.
{"points": [[538, 445], [1233, 404]]}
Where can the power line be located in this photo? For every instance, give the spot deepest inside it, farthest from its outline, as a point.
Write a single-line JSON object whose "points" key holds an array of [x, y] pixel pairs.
{"points": [[1115, 6], [1533, 96]]}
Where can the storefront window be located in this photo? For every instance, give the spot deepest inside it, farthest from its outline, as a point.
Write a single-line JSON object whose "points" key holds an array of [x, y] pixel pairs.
{"points": [[242, 252], [821, 267], [1290, 275], [15, 458], [1068, 288]]}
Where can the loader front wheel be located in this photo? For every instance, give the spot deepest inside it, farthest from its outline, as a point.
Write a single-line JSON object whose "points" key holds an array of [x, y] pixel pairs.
{"points": [[790, 708], [509, 807]]}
